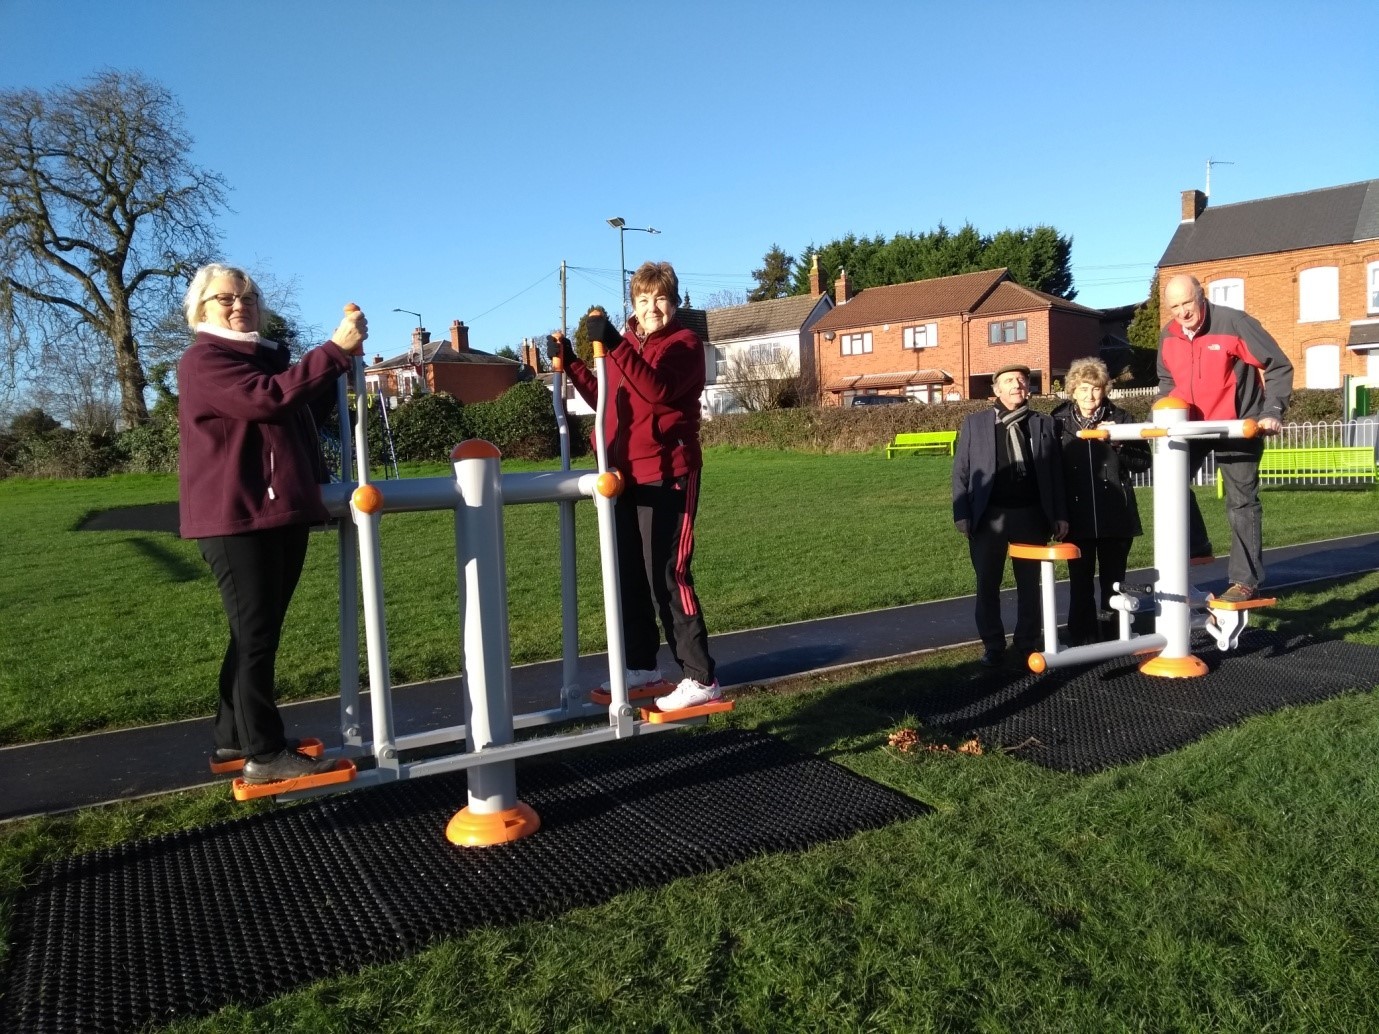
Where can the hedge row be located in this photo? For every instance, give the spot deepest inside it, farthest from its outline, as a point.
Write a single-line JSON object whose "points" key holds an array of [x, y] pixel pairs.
{"points": [[522, 424]]}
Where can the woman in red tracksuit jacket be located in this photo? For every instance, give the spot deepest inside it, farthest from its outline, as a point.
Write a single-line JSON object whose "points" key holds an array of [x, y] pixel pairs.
{"points": [[651, 425]]}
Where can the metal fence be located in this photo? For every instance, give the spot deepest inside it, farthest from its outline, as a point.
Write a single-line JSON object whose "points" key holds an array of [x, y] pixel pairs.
{"points": [[1362, 433]]}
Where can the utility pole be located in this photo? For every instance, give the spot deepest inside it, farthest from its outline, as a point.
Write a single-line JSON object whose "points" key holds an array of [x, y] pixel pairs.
{"points": [[564, 326]]}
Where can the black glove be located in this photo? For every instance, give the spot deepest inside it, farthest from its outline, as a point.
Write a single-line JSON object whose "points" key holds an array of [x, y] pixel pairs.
{"points": [[553, 350], [601, 328]]}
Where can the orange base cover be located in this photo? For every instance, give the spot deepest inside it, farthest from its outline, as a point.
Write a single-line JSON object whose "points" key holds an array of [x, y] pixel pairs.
{"points": [[1262, 601], [1188, 667], [468, 828]]}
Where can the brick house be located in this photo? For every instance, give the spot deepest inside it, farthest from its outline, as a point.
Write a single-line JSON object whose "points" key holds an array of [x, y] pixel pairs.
{"points": [[1305, 265], [468, 374], [944, 338], [773, 339]]}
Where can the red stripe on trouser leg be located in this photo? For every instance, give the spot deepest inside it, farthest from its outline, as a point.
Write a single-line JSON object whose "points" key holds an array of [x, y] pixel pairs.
{"points": [[689, 603]]}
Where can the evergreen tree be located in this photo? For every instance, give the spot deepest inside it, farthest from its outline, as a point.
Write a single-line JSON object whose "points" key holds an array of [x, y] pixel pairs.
{"points": [[773, 278]]}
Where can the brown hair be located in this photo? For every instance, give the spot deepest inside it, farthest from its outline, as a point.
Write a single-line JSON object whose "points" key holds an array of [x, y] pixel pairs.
{"points": [[656, 278]]}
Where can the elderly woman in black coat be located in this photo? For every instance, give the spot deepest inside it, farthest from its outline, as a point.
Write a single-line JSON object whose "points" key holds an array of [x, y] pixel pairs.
{"points": [[1102, 515]]}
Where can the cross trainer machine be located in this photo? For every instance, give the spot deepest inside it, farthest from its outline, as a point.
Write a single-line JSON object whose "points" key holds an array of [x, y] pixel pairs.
{"points": [[476, 494], [1177, 606]]}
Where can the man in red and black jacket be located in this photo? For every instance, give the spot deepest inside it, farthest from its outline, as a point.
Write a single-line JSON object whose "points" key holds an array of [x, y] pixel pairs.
{"points": [[656, 373], [1225, 366]]}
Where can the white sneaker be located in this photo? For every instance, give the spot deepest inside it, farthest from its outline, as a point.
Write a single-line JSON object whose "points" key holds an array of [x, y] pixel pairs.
{"points": [[635, 678], [689, 694]]}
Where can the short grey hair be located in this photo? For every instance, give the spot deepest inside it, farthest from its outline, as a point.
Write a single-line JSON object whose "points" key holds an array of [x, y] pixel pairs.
{"points": [[193, 304]]}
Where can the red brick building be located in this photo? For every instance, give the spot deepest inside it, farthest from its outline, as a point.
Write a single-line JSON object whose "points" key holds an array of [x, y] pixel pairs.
{"points": [[944, 338], [1305, 265], [450, 366]]}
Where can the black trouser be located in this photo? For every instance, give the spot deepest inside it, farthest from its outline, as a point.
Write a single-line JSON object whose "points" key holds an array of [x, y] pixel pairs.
{"points": [[1107, 558], [257, 573], [988, 545], [655, 525]]}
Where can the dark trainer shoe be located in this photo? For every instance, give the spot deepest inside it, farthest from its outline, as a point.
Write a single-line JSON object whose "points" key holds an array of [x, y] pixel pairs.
{"points": [[286, 764], [223, 754], [992, 658], [1237, 593]]}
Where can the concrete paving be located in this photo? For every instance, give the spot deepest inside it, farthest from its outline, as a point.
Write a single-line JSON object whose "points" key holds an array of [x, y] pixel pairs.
{"points": [[81, 771]]}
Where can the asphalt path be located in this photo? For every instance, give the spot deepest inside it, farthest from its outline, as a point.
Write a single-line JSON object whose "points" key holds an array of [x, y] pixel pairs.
{"points": [[81, 771]]}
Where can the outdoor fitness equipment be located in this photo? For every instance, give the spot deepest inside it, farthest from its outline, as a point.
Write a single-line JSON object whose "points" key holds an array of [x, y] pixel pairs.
{"points": [[477, 494], [1178, 606]]}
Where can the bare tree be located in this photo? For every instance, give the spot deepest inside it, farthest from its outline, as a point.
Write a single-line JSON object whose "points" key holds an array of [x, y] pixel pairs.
{"points": [[725, 299], [102, 219], [757, 382]]}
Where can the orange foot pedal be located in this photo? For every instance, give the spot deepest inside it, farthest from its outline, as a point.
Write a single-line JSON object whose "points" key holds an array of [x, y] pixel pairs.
{"points": [[1262, 601], [656, 716], [343, 772], [308, 745], [651, 689]]}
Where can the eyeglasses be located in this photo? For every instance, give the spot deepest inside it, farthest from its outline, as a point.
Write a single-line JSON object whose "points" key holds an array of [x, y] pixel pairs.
{"points": [[227, 301]]}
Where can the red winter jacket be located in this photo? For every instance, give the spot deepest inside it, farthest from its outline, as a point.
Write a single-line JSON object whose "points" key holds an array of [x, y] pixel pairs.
{"points": [[651, 421], [249, 457], [1214, 372]]}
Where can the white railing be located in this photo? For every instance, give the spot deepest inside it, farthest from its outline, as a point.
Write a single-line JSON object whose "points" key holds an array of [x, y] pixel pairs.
{"points": [[1363, 432]]}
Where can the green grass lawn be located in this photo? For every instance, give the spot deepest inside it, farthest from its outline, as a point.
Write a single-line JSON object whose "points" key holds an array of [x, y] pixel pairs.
{"points": [[1227, 886], [110, 629]]}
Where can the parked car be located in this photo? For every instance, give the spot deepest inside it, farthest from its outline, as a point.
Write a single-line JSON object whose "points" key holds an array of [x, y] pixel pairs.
{"points": [[880, 400]]}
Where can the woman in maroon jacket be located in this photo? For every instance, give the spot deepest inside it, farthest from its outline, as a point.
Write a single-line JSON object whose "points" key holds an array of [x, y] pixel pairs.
{"points": [[651, 424], [249, 469]]}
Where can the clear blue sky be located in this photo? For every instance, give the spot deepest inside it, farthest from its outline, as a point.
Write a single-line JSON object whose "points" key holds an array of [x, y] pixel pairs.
{"points": [[444, 157]]}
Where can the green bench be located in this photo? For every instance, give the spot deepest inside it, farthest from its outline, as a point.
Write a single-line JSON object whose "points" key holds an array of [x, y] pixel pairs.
{"points": [[923, 441], [1346, 463]]}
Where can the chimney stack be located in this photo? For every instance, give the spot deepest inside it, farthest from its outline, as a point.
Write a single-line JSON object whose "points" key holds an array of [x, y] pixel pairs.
{"points": [[459, 336], [1194, 204], [842, 288], [816, 278]]}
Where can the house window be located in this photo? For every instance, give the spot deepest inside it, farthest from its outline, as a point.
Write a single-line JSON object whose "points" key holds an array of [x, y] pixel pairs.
{"points": [[1229, 292], [857, 344], [371, 383], [1318, 294], [1323, 364], [923, 336], [1008, 332], [720, 363], [1372, 287], [766, 355], [408, 383], [925, 392]]}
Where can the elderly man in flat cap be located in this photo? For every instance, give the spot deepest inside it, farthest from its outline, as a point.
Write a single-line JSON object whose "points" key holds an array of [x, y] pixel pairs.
{"points": [[1008, 487]]}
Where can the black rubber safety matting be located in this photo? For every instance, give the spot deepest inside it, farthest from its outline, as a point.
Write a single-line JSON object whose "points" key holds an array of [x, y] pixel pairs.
{"points": [[246, 910], [1089, 719]]}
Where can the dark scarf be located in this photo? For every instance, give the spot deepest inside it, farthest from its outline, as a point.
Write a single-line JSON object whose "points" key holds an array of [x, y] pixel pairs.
{"points": [[1013, 421], [1083, 423]]}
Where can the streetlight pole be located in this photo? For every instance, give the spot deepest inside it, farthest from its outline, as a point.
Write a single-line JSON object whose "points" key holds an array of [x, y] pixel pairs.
{"points": [[620, 224]]}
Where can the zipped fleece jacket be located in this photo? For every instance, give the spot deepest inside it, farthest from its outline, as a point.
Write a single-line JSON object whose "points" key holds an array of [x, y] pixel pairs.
{"points": [[249, 457], [651, 422], [1214, 372]]}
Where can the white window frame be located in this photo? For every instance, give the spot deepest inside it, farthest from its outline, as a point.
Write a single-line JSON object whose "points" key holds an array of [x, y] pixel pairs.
{"points": [[1372, 288], [1322, 366], [373, 383], [856, 344], [408, 383], [923, 335], [1229, 292], [1319, 295]]}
